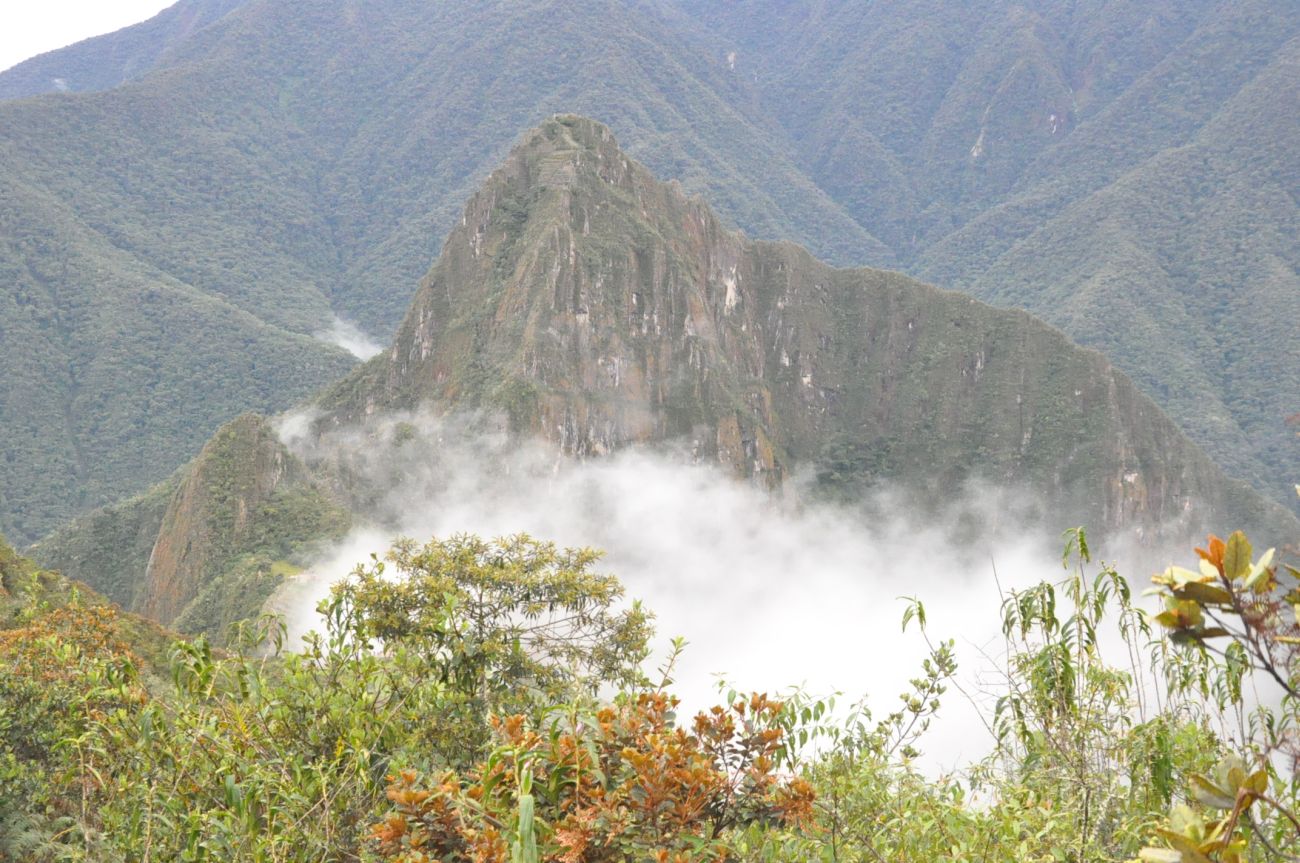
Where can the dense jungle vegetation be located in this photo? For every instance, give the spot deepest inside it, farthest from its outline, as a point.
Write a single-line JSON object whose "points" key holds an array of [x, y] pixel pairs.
{"points": [[260, 165], [189, 205], [492, 703]]}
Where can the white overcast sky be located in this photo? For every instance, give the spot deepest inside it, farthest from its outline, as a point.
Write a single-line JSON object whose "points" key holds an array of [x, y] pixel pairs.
{"points": [[31, 27]]}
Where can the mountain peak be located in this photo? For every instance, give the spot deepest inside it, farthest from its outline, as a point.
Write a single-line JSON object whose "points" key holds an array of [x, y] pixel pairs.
{"points": [[560, 151], [598, 307], [569, 153], [566, 132]]}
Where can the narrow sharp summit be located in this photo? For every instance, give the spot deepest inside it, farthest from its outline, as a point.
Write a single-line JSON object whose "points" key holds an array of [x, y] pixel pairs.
{"points": [[599, 307]]}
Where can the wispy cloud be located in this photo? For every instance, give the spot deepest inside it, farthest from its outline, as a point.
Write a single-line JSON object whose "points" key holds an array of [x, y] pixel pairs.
{"points": [[770, 590], [350, 337]]}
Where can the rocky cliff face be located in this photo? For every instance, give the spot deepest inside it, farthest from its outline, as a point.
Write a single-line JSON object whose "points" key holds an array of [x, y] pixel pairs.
{"points": [[599, 308], [219, 534], [212, 511]]}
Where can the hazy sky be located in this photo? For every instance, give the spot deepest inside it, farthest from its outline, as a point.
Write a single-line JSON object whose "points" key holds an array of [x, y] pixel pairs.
{"points": [[31, 27]]}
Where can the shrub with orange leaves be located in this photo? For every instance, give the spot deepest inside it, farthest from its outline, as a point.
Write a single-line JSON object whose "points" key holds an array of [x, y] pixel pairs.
{"points": [[93, 630], [47, 670], [64, 670], [626, 783]]}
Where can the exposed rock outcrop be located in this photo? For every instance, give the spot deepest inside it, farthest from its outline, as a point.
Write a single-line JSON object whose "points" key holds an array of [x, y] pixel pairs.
{"points": [[218, 533], [211, 511], [600, 307]]}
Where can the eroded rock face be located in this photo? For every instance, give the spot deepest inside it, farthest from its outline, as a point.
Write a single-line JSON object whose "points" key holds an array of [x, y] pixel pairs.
{"points": [[204, 549], [596, 307], [211, 512], [599, 307]]}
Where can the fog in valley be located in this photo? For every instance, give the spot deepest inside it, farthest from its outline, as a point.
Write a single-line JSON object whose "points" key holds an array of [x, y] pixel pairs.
{"points": [[770, 590], [350, 337]]}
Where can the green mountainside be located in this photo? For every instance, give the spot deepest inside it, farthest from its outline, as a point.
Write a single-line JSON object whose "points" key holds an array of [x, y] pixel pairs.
{"points": [[207, 547], [103, 62], [597, 307], [294, 161], [1122, 170]]}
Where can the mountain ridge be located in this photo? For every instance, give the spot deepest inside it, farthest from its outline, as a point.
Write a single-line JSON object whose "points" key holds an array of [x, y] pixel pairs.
{"points": [[286, 194], [778, 332], [106, 61], [303, 161], [598, 308]]}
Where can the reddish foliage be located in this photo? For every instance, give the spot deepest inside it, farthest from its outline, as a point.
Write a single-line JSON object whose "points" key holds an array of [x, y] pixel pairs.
{"points": [[629, 785]]}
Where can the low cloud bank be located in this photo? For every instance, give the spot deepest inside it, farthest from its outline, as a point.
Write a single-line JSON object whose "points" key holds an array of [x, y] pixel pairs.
{"points": [[350, 337], [771, 591]]}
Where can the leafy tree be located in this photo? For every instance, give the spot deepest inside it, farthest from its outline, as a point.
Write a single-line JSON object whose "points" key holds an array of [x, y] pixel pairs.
{"points": [[503, 623], [265, 754], [1243, 614], [1086, 760], [456, 706]]}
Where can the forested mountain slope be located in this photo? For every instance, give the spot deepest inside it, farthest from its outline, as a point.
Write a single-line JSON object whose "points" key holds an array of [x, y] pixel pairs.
{"points": [[600, 307], [294, 161], [597, 308], [1120, 169], [103, 62]]}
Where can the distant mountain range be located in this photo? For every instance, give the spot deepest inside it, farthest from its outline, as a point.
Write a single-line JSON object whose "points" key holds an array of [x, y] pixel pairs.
{"points": [[595, 307], [1126, 171]]}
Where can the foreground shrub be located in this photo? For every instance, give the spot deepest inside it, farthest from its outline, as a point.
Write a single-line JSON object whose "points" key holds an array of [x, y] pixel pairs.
{"points": [[622, 784]]}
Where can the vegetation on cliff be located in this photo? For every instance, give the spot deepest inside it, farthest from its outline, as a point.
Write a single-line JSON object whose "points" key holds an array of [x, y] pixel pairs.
{"points": [[171, 243], [206, 548], [599, 307]]}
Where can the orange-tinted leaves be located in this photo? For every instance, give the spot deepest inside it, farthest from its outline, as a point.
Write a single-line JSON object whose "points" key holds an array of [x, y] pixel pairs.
{"points": [[631, 785]]}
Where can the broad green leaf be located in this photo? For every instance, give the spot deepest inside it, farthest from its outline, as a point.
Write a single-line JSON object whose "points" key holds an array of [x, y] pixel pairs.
{"points": [[1210, 794], [1236, 557], [1198, 591], [1260, 570], [1189, 850]]}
